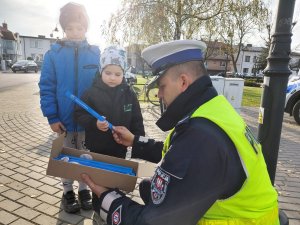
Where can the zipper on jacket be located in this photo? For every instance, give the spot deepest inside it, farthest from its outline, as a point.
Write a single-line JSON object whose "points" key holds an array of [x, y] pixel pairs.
{"points": [[76, 89]]}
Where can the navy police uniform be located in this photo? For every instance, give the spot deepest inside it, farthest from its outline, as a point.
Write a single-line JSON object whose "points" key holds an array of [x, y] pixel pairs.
{"points": [[201, 166]]}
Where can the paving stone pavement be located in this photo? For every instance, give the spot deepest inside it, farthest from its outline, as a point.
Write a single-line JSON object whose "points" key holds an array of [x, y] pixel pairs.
{"points": [[28, 196]]}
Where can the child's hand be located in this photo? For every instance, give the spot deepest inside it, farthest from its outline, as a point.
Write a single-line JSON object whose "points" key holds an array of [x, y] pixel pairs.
{"points": [[102, 125], [58, 127]]}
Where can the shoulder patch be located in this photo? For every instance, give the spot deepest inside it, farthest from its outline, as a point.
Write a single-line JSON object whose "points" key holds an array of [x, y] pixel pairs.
{"points": [[159, 185], [116, 216]]}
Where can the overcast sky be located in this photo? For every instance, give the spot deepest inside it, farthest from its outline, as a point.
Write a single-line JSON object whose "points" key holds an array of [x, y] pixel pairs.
{"points": [[39, 17]]}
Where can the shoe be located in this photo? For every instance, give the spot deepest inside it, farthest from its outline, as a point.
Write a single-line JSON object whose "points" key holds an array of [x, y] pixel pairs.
{"points": [[85, 199], [70, 203]]}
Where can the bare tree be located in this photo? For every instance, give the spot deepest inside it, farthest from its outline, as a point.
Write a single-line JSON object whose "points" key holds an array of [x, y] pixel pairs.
{"points": [[154, 21], [241, 19]]}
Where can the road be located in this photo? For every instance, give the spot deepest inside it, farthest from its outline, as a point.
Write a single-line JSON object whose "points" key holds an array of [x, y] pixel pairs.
{"points": [[10, 80]]}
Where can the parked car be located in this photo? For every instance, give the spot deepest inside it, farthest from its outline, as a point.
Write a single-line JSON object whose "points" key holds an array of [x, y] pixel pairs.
{"points": [[130, 78], [292, 100], [39, 64], [8, 63], [25, 66]]}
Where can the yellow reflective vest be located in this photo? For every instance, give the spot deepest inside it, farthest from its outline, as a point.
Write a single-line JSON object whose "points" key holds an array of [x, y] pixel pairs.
{"points": [[256, 202]]}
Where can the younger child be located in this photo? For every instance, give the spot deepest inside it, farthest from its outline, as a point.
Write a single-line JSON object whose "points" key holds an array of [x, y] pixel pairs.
{"points": [[111, 97]]}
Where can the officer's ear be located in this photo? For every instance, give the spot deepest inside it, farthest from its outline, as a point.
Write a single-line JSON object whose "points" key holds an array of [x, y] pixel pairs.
{"points": [[185, 81]]}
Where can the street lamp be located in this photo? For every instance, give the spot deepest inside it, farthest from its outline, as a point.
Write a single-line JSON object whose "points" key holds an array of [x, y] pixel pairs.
{"points": [[55, 31]]}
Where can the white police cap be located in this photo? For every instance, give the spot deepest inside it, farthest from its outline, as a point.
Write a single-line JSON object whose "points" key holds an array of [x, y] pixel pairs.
{"points": [[164, 55]]}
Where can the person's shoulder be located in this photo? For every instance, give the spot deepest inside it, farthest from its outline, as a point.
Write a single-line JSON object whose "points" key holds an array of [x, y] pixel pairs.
{"points": [[95, 49]]}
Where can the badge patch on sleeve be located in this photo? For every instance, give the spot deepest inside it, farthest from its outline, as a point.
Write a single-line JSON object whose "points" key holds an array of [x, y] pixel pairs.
{"points": [[159, 186], [116, 216]]}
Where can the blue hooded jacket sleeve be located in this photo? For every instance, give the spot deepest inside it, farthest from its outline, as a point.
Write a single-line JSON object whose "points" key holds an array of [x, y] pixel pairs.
{"points": [[47, 86]]}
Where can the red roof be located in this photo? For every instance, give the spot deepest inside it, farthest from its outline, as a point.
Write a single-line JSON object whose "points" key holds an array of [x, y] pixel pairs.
{"points": [[7, 34]]}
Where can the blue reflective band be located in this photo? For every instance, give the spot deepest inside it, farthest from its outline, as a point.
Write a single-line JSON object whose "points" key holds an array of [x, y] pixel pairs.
{"points": [[87, 108], [177, 58], [98, 165]]}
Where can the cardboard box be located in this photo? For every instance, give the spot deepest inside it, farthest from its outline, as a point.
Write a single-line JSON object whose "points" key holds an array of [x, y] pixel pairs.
{"points": [[101, 177]]}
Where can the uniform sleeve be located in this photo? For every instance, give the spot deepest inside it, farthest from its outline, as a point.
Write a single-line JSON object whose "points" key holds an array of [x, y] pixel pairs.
{"points": [[147, 149], [190, 179], [84, 118], [48, 85]]}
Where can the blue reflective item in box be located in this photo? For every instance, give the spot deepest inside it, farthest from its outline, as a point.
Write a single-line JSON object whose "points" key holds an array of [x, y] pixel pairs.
{"points": [[99, 165]]}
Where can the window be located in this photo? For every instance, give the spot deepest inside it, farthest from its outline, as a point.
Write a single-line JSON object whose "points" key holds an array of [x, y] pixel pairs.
{"points": [[247, 58], [254, 59], [222, 63], [245, 70], [35, 44], [9, 45]]}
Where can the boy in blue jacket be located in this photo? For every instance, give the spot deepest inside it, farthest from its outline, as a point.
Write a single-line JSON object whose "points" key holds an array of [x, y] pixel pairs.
{"points": [[70, 65]]}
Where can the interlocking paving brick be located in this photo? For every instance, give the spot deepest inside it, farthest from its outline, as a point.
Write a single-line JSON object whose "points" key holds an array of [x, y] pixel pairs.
{"points": [[48, 198], [31, 192], [12, 194], [69, 218], [33, 183], [27, 213], [10, 165], [9, 205], [7, 172], [48, 209], [3, 187], [6, 217], [43, 219], [48, 189], [22, 222], [22, 170], [37, 168], [294, 222], [35, 175], [19, 177], [49, 180], [29, 201]]}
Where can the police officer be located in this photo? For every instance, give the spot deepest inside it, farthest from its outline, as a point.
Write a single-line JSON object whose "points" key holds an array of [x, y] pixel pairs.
{"points": [[213, 170]]}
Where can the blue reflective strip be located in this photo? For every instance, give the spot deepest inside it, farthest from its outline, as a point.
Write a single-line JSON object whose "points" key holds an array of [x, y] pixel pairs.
{"points": [[177, 58], [99, 165], [87, 108]]}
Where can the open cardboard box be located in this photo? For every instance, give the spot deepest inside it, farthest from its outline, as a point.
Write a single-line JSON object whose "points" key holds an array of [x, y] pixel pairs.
{"points": [[101, 177]]}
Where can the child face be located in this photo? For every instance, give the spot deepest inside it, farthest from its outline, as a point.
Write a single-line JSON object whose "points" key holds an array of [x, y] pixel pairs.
{"points": [[75, 31], [112, 75]]}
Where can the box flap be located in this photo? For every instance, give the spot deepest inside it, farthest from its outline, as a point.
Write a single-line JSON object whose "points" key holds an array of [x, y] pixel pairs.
{"points": [[146, 169], [57, 146]]}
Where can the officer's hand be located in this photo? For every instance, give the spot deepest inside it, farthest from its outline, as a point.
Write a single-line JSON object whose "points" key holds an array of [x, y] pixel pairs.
{"points": [[123, 136], [58, 127], [98, 190], [102, 125]]}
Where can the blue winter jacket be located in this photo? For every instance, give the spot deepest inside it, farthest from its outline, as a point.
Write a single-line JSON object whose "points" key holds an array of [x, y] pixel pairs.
{"points": [[68, 66]]}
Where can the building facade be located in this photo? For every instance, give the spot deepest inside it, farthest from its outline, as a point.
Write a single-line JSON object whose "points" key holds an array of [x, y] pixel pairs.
{"points": [[35, 47], [246, 63], [9, 45]]}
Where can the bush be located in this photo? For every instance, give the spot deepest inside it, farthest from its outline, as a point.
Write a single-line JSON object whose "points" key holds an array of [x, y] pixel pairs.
{"points": [[251, 83]]}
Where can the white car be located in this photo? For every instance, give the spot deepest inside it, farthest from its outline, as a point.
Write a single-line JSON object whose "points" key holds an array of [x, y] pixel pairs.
{"points": [[292, 100]]}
